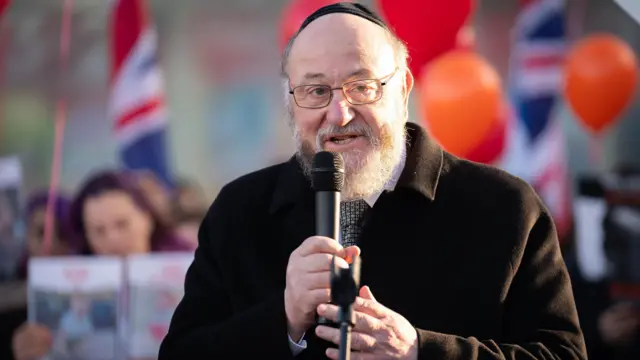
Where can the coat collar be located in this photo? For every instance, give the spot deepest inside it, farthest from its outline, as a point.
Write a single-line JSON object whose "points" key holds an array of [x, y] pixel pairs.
{"points": [[421, 172], [425, 160]]}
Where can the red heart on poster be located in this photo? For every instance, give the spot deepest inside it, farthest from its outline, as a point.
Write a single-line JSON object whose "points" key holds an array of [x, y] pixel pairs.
{"points": [[76, 276], [170, 273]]}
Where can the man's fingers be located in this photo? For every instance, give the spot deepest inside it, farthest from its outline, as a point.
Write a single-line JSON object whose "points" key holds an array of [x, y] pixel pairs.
{"points": [[365, 293], [313, 263], [319, 244], [359, 341], [317, 296], [317, 280], [340, 262], [349, 253], [364, 322], [321, 263], [370, 307]]}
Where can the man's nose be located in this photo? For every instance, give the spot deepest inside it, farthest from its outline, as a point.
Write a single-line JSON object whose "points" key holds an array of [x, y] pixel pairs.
{"points": [[339, 110]]}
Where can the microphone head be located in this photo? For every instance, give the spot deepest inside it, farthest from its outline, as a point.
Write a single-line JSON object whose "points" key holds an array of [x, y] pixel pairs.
{"points": [[327, 171]]}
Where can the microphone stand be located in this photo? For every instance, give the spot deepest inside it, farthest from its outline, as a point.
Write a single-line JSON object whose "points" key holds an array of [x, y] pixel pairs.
{"points": [[345, 284]]}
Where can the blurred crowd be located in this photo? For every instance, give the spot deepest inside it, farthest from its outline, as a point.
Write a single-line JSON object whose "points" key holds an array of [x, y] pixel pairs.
{"points": [[602, 259], [115, 213], [121, 213]]}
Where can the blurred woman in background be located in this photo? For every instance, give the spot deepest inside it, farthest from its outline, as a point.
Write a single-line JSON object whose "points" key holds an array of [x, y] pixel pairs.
{"points": [[157, 193], [35, 219], [110, 216], [189, 208]]}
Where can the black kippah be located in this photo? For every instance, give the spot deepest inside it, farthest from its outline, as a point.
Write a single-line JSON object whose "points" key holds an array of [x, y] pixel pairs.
{"points": [[345, 8]]}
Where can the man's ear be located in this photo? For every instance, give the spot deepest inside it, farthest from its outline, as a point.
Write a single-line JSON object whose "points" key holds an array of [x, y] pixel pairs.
{"points": [[407, 86]]}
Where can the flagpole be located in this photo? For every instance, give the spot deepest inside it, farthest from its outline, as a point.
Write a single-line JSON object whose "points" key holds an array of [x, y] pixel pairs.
{"points": [[60, 122]]}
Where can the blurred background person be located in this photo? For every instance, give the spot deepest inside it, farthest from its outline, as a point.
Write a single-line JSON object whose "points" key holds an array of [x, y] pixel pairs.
{"points": [[189, 198], [7, 219], [189, 208], [618, 331], [602, 261], [110, 215], [35, 217], [35, 210], [10, 233], [157, 193]]}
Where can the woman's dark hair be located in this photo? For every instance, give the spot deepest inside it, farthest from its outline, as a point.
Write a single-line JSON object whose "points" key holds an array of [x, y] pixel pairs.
{"points": [[162, 238], [180, 215], [61, 205]]}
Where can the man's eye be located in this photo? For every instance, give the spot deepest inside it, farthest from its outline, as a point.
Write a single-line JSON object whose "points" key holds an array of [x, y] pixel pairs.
{"points": [[317, 91]]}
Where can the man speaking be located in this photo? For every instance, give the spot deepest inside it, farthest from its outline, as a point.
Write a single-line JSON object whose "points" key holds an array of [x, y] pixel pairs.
{"points": [[460, 261]]}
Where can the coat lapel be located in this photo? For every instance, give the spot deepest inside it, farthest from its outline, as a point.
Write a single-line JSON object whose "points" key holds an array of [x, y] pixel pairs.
{"points": [[292, 208]]}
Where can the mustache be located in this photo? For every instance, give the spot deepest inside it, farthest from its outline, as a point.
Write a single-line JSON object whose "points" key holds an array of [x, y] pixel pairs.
{"points": [[358, 129]]}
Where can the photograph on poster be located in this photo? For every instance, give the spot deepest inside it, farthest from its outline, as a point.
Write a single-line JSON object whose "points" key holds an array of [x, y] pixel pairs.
{"points": [[77, 298]]}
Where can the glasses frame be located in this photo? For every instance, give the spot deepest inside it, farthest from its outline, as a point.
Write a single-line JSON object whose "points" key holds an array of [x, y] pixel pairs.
{"points": [[382, 81]]}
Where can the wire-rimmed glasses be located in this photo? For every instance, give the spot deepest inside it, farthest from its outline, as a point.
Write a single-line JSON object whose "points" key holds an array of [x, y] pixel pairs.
{"points": [[357, 92]]}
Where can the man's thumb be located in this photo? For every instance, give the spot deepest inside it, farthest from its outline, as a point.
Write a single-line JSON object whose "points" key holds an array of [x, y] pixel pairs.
{"points": [[365, 293], [350, 252]]}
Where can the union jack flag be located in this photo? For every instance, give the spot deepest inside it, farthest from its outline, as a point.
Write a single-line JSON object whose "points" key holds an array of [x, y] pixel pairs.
{"points": [[537, 142], [137, 101]]}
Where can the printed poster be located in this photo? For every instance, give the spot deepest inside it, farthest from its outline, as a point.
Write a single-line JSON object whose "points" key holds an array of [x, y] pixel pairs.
{"points": [[156, 286], [77, 298], [11, 223]]}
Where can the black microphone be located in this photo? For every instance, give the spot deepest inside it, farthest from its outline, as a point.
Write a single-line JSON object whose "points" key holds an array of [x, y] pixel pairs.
{"points": [[327, 178]]}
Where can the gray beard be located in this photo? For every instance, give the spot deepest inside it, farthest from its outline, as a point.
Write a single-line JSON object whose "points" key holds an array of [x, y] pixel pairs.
{"points": [[365, 174]]}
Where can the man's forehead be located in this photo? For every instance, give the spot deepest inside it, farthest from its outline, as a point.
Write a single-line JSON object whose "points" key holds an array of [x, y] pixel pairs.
{"points": [[358, 73], [341, 43]]}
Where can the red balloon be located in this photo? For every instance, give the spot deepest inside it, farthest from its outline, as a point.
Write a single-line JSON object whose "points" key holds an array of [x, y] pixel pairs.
{"points": [[493, 145], [4, 4], [429, 27], [294, 15]]}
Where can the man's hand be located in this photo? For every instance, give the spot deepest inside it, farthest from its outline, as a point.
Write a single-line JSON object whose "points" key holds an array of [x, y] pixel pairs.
{"points": [[379, 333], [309, 280]]}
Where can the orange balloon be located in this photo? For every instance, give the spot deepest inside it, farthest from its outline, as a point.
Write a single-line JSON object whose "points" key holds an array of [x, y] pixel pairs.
{"points": [[600, 79], [460, 100]]}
